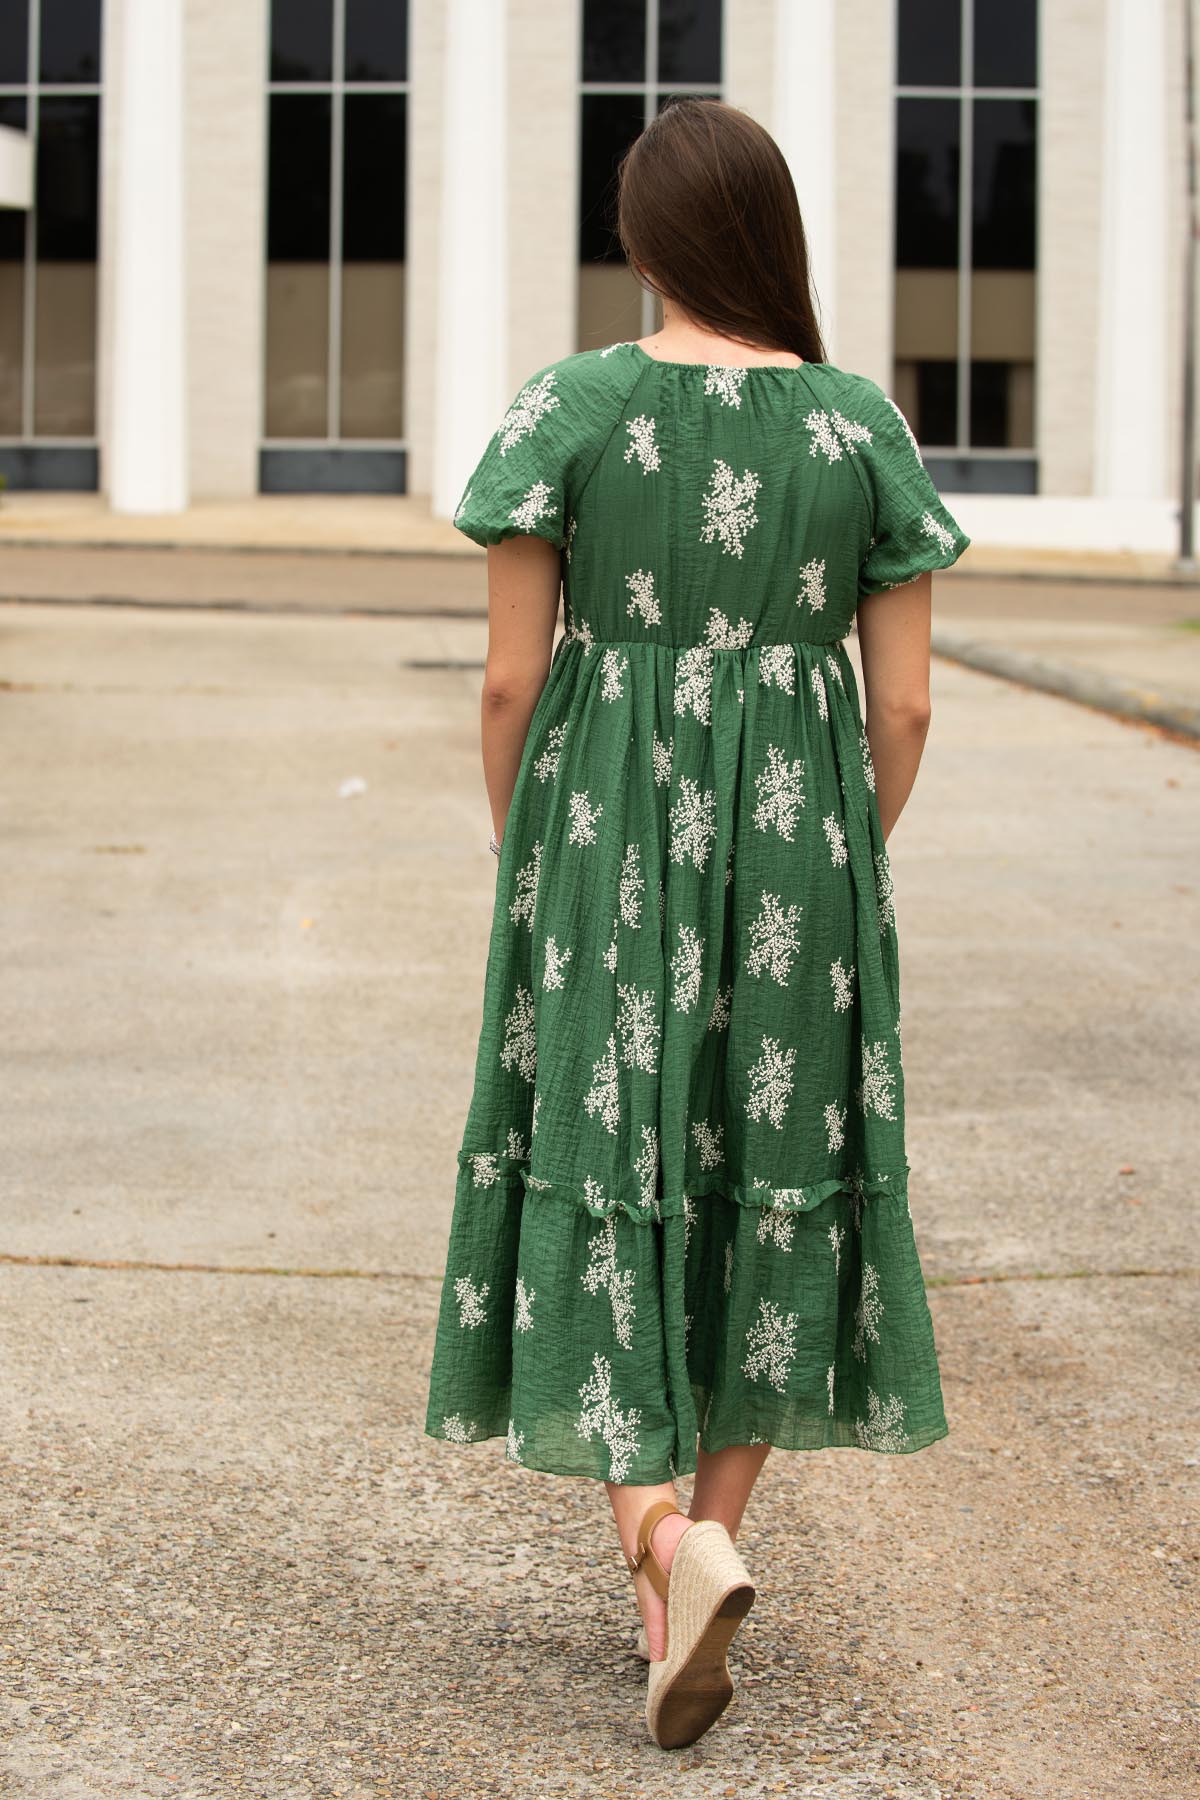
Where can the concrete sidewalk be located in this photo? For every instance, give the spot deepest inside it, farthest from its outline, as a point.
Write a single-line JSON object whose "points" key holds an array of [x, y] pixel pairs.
{"points": [[241, 1018]]}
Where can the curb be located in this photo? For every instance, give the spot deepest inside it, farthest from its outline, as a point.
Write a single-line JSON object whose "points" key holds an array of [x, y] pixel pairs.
{"points": [[1123, 699]]}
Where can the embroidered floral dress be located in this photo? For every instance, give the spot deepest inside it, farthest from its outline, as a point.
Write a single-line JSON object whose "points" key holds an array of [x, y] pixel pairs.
{"points": [[681, 1205]]}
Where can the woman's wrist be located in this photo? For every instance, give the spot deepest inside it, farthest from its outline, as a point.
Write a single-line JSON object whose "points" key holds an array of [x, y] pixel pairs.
{"points": [[494, 843]]}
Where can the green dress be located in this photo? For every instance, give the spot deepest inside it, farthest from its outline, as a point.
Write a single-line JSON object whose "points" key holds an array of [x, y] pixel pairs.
{"points": [[681, 1207]]}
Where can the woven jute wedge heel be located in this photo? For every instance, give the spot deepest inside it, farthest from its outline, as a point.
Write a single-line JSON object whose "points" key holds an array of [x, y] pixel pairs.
{"points": [[709, 1593]]}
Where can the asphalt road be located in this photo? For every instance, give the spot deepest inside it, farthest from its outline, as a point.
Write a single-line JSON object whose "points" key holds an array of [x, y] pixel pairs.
{"points": [[240, 1016]]}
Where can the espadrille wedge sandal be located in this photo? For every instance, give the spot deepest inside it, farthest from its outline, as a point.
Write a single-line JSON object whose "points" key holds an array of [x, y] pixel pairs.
{"points": [[709, 1593]]}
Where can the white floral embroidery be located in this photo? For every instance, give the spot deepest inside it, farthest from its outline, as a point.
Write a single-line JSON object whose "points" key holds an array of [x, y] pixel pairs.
{"points": [[876, 1089], [512, 1447], [471, 1310], [602, 1272], [777, 664], [729, 507], [556, 961], [813, 591], [729, 864], [885, 893], [645, 600], [485, 1170], [536, 505], [546, 765], [868, 765], [647, 1166], [620, 343], [637, 1022], [780, 792], [583, 818], [843, 983], [835, 1120], [520, 1035], [817, 682], [775, 1225], [708, 1140], [829, 1384], [632, 887], [689, 1216], [660, 755], [774, 938], [602, 1416], [693, 682], [693, 822], [836, 838], [642, 445], [609, 958], [461, 508], [721, 635], [770, 1346], [835, 671], [537, 1101], [525, 1300], [581, 631], [725, 380], [868, 1312], [526, 888], [883, 1429], [772, 1077], [908, 431], [569, 537], [531, 405], [602, 1096], [517, 1146], [686, 969], [832, 431], [931, 528], [722, 1009], [457, 1431], [837, 1237], [613, 664]]}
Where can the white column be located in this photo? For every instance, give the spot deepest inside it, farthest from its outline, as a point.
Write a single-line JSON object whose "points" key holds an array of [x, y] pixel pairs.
{"points": [[471, 355], [147, 454], [1132, 352], [803, 112]]}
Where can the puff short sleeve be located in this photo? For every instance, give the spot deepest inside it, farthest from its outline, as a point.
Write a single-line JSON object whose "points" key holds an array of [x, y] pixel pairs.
{"points": [[911, 528], [520, 483]]}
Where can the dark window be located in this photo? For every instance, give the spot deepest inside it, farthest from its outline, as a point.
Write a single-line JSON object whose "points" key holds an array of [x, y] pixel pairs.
{"points": [[989, 404], [68, 157], [302, 40], [689, 40], [376, 40], [614, 40], [70, 39], [14, 41], [609, 124], [937, 402], [1004, 185], [298, 178], [1006, 43], [929, 43], [12, 222], [373, 184], [928, 151]]}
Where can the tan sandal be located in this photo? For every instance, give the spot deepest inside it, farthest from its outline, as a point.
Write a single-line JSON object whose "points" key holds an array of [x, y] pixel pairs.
{"points": [[709, 1592]]}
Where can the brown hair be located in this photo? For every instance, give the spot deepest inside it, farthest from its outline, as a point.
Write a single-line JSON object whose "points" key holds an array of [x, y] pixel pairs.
{"points": [[707, 206]]}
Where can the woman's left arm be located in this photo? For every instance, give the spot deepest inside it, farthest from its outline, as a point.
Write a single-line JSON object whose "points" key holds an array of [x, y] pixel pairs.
{"points": [[524, 584]]}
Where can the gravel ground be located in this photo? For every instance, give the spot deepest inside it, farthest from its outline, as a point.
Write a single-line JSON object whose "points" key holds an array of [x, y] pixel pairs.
{"points": [[241, 1022]]}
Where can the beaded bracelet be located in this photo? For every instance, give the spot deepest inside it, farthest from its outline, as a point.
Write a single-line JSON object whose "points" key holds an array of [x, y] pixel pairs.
{"points": [[494, 844]]}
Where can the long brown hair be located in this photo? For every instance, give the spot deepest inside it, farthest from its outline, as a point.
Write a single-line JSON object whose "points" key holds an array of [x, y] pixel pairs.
{"points": [[707, 209]]}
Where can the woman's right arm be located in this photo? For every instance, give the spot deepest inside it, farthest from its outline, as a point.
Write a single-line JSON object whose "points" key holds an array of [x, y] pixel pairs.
{"points": [[893, 637]]}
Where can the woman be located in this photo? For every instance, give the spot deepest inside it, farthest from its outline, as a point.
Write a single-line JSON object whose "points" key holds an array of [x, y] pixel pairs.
{"points": [[681, 1232]]}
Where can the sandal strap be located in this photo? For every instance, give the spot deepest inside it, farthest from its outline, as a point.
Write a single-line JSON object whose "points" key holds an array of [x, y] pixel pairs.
{"points": [[646, 1554]]}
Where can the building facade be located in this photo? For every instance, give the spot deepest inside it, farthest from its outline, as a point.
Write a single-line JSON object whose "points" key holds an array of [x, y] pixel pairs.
{"points": [[262, 246]]}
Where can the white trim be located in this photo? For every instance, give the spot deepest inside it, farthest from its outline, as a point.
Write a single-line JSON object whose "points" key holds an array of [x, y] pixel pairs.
{"points": [[147, 470], [471, 374], [805, 130], [1131, 357]]}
